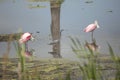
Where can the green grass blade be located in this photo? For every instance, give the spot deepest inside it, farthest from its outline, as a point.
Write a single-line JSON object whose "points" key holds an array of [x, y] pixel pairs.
{"points": [[68, 76], [74, 42], [111, 52]]}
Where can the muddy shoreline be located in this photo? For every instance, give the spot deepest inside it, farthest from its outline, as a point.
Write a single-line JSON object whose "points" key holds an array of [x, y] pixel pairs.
{"points": [[51, 69]]}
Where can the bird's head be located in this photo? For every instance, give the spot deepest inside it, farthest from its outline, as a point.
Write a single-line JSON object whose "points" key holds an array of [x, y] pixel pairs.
{"points": [[96, 23]]}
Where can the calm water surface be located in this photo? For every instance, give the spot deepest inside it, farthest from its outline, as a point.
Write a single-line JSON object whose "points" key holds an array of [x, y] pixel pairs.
{"points": [[75, 16]]}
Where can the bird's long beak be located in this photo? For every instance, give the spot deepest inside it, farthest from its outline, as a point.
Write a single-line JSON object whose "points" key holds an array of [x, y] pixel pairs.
{"points": [[96, 22]]}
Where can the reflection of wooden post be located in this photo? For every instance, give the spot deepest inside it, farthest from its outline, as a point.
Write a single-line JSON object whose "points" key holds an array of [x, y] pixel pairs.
{"points": [[55, 27]]}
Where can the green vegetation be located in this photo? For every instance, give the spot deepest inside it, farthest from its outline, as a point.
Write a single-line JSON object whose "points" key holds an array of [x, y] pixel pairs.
{"points": [[92, 69], [94, 66]]}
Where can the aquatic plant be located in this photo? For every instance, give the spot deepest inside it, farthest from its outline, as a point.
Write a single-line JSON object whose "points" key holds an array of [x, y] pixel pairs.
{"points": [[20, 50], [116, 60], [89, 69]]}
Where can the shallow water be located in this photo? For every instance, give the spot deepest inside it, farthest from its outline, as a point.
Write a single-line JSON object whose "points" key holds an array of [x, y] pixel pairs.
{"points": [[75, 16]]}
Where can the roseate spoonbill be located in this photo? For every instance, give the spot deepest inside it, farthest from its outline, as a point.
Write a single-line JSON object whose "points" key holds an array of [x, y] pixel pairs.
{"points": [[91, 28], [26, 37]]}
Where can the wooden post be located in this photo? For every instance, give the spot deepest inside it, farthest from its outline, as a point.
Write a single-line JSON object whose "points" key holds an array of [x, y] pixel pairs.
{"points": [[55, 27], [9, 37]]}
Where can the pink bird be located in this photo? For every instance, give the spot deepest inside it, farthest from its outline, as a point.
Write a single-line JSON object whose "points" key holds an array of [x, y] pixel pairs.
{"points": [[26, 37], [23, 40], [91, 27]]}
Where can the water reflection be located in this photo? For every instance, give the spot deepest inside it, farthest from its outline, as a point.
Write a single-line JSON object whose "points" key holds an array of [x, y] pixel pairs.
{"points": [[92, 46]]}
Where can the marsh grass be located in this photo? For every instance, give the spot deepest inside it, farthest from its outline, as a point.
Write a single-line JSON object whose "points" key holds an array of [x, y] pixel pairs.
{"points": [[58, 69], [20, 50], [6, 56], [23, 72], [21, 59], [78, 48], [116, 60], [91, 70]]}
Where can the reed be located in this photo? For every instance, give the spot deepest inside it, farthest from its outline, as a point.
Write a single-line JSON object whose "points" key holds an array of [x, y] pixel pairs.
{"points": [[116, 60], [23, 72], [91, 70]]}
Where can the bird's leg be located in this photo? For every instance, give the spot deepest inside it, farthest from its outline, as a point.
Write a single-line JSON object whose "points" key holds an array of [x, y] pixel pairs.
{"points": [[26, 46], [92, 36]]}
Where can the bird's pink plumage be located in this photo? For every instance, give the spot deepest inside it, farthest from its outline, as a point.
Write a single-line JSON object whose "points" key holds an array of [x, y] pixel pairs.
{"points": [[25, 37], [90, 28]]}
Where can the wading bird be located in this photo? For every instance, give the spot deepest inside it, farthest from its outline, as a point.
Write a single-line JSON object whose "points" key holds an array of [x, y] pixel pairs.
{"points": [[26, 37], [23, 41], [91, 28]]}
